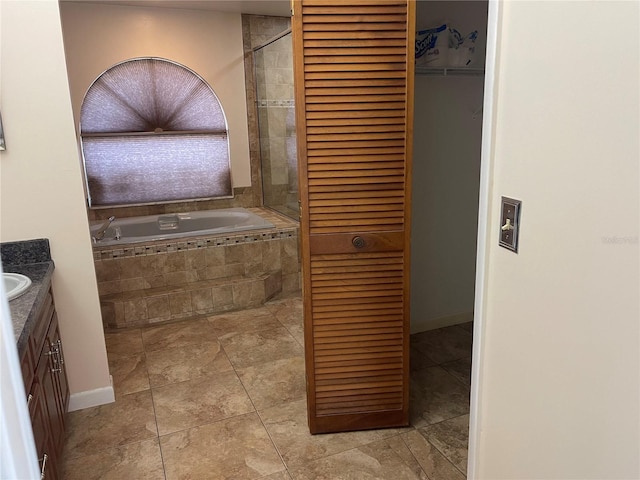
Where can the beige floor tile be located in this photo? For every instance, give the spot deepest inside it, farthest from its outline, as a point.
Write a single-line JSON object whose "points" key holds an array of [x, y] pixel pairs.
{"points": [[277, 476], [237, 448], [140, 461], [287, 425], [444, 344], [419, 360], [129, 419], [246, 349], [233, 323], [373, 461], [129, 374], [173, 365], [402, 450], [451, 437], [435, 465], [460, 370], [180, 334], [123, 343], [289, 313], [288, 310], [436, 396], [276, 382], [297, 332], [468, 326], [199, 401], [208, 423]]}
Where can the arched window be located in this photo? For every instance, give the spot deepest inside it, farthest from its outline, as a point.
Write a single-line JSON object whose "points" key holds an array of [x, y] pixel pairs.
{"points": [[153, 131]]}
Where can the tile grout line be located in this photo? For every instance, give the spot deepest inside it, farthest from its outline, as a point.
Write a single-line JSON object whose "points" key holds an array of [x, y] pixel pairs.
{"points": [[411, 452], [255, 410], [286, 466], [157, 437], [456, 378], [151, 388], [153, 405], [438, 449]]}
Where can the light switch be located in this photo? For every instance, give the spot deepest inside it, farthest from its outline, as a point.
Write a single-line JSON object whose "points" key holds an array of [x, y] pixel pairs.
{"points": [[509, 223]]}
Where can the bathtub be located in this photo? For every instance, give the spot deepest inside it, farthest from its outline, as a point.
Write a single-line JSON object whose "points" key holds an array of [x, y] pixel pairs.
{"points": [[162, 227]]}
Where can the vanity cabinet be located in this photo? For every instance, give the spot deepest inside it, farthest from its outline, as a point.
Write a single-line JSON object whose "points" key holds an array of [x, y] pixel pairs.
{"points": [[46, 383]]}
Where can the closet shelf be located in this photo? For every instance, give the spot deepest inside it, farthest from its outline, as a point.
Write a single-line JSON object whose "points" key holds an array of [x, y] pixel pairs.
{"points": [[448, 71]]}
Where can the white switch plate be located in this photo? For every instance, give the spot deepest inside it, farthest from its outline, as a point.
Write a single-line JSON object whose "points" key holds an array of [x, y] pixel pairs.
{"points": [[509, 223]]}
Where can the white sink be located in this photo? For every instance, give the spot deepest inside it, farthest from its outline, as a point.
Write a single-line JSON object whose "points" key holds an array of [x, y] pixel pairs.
{"points": [[15, 284]]}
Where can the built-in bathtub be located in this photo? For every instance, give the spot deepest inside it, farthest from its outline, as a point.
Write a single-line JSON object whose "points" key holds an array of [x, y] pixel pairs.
{"points": [[145, 279], [153, 228]]}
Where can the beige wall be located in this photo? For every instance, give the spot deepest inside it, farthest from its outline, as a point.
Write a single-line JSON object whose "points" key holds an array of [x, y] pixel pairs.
{"points": [[446, 168], [210, 43], [560, 369], [41, 188]]}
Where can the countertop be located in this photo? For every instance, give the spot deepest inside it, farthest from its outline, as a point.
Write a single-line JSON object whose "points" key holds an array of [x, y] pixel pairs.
{"points": [[24, 308], [30, 258]]}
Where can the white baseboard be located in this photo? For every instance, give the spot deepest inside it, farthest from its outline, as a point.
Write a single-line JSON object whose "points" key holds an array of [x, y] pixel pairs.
{"points": [[92, 398], [423, 325]]}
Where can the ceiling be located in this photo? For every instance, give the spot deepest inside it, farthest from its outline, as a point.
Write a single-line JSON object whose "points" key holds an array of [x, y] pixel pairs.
{"points": [[278, 8]]}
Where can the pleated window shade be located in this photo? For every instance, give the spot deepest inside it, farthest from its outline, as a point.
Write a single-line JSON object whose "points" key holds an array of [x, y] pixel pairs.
{"points": [[153, 131]]}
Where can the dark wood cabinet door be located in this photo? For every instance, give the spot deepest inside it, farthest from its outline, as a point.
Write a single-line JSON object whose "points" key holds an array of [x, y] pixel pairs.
{"points": [[45, 418], [57, 397]]}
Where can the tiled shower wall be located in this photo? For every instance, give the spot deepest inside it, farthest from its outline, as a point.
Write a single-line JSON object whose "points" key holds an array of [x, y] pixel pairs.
{"points": [[276, 118], [271, 113]]}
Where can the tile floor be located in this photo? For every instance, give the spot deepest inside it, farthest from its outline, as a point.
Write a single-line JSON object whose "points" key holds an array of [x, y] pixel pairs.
{"points": [[224, 397]]}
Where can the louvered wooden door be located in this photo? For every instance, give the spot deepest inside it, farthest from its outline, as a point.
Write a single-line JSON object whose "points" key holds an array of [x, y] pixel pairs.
{"points": [[353, 62]]}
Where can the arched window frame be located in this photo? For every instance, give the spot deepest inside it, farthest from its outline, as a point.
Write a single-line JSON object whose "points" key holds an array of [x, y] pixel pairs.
{"points": [[153, 131]]}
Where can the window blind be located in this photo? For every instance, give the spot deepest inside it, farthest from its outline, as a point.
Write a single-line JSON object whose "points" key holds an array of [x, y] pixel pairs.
{"points": [[153, 131]]}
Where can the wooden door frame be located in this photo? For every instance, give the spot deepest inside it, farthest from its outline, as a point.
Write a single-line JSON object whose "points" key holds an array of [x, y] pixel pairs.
{"points": [[485, 233]]}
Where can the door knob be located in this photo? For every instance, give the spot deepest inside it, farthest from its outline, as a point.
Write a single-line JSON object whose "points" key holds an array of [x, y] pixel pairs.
{"points": [[358, 242]]}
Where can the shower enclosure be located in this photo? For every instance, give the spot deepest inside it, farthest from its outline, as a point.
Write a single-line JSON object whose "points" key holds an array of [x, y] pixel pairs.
{"points": [[273, 64]]}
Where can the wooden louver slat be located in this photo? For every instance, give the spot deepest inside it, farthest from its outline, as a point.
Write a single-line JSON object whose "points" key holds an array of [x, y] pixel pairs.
{"points": [[353, 73]]}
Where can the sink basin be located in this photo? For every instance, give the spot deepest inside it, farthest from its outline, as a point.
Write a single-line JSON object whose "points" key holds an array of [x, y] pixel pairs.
{"points": [[15, 284]]}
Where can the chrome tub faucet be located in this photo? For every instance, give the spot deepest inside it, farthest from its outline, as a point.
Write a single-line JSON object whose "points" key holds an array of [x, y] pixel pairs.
{"points": [[99, 235]]}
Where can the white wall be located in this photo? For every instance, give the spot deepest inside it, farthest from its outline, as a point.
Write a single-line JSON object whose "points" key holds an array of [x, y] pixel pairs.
{"points": [[558, 366], [446, 168], [41, 191], [98, 36]]}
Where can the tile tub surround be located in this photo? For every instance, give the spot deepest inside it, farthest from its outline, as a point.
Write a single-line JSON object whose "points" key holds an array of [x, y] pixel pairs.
{"points": [[171, 280]]}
